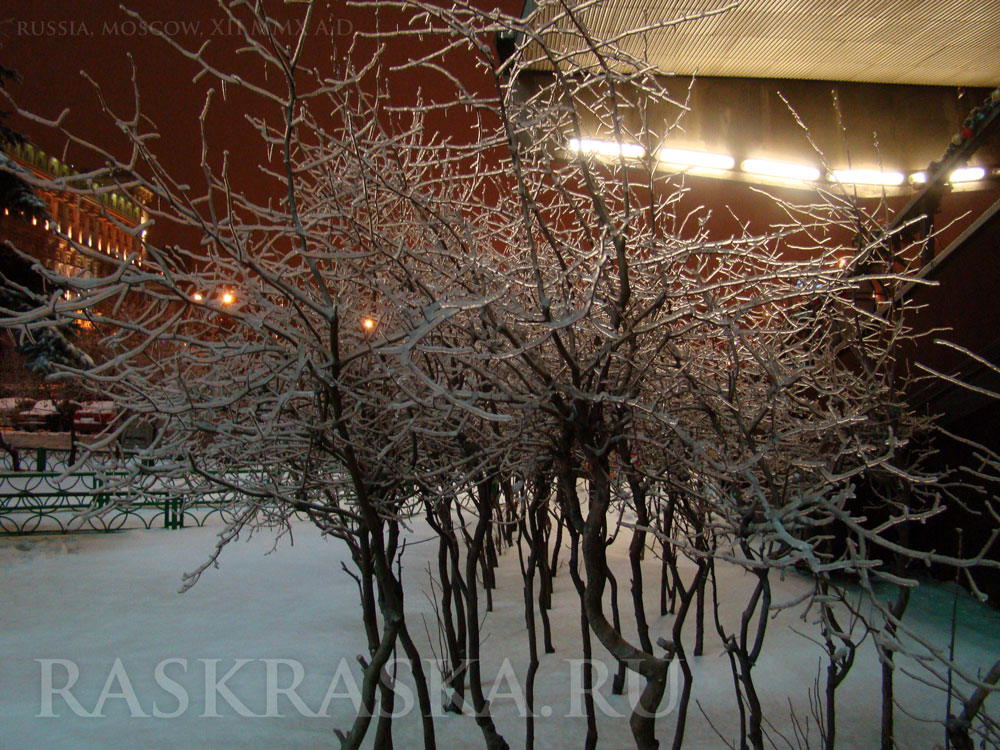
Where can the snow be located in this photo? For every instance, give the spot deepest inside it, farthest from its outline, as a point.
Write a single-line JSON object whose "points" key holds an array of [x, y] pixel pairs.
{"points": [[98, 405], [43, 408], [95, 598]]}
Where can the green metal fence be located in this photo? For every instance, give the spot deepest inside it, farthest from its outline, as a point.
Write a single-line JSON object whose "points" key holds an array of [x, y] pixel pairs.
{"points": [[56, 501]]}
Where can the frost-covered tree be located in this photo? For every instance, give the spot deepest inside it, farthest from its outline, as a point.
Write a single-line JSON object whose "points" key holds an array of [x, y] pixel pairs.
{"points": [[527, 344]]}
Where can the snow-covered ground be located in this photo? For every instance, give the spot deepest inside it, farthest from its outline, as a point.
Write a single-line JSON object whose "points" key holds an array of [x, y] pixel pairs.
{"points": [[107, 605]]}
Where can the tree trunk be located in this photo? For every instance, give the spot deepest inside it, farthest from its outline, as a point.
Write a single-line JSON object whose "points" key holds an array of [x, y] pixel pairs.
{"points": [[494, 741], [618, 683], [423, 693], [888, 739], [635, 554], [528, 576], [642, 720], [539, 550], [588, 669]]}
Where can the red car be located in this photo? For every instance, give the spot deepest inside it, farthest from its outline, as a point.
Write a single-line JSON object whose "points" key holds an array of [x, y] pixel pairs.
{"points": [[93, 416]]}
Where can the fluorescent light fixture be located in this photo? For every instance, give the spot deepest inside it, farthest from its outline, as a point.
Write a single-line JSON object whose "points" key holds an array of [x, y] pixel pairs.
{"points": [[867, 177], [607, 148], [678, 157], [783, 169], [967, 174]]}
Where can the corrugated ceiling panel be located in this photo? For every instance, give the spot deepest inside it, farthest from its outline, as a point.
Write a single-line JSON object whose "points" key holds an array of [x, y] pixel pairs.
{"points": [[951, 42]]}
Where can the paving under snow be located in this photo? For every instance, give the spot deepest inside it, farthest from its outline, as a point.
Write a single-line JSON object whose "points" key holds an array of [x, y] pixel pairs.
{"points": [[87, 600]]}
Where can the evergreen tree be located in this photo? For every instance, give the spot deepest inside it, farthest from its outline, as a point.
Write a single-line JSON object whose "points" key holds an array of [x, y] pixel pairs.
{"points": [[21, 285], [15, 194]]}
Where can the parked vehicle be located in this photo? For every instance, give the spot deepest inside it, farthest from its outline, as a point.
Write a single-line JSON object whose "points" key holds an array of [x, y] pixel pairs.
{"points": [[48, 414], [93, 416], [44, 415]]}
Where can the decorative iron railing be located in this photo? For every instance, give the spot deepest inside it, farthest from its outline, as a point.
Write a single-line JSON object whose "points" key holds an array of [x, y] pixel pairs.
{"points": [[55, 500]]}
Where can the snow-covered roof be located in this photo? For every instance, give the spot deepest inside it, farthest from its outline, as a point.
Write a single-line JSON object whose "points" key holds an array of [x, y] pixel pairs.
{"points": [[98, 405]]}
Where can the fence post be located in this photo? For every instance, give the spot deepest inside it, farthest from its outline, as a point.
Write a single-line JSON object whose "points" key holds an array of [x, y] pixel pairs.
{"points": [[173, 513], [40, 460], [99, 498]]}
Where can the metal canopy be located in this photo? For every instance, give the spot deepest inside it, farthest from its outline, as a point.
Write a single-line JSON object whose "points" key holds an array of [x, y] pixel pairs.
{"points": [[930, 42]]}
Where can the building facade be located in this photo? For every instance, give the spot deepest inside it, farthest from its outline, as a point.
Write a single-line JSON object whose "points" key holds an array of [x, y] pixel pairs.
{"points": [[83, 235]]}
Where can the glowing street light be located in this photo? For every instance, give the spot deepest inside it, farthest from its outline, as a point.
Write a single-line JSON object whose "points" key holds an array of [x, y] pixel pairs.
{"points": [[368, 324], [228, 298], [197, 297]]}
